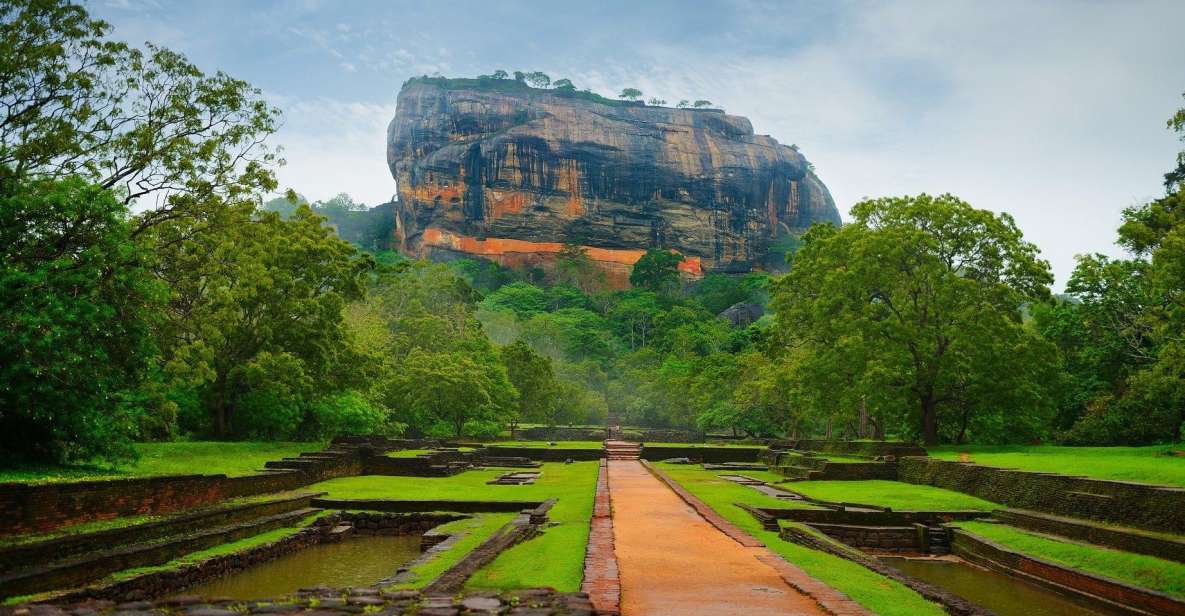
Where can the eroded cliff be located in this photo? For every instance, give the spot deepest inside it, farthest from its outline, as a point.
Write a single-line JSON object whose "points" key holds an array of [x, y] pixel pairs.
{"points": [[513, 175]]}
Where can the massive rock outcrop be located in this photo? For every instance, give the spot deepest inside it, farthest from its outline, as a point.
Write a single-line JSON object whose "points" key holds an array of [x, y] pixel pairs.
{"points": [[511, 174]]}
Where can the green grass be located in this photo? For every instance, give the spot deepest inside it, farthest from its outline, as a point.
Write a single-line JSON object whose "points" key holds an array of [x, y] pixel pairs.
{"points": [[474, 531], [186, 458], [893, 494], [1145, 571], [555, 559], [1152, 464], [874, 591]]}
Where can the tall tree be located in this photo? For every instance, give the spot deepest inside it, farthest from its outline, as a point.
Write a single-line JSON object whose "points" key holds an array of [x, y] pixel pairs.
{"points": [[919, 300], [261, 300], [657, 270], [76, 304], [146, 124], [532, 375]]}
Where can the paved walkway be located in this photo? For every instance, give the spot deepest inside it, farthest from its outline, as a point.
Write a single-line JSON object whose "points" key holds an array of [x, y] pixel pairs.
{"points": [[674, 562]]}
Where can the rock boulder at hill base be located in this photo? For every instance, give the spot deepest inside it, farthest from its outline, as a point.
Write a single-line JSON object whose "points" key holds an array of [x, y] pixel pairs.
{"points": [[512, 174]]}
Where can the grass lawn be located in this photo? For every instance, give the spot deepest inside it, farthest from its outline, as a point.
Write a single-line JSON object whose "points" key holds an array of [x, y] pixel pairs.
{"points": [[473, 532], [1152, 464], [185, 458], [554, 559], [893, 494], [874, 591], [1145, 571]]}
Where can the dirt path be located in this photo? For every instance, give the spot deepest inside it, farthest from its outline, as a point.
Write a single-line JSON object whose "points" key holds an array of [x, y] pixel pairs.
{"points": [[673, 562]]}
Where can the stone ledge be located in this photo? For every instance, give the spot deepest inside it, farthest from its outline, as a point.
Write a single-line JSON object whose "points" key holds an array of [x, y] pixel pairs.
{"points": [[602, 579], [328, 602]]}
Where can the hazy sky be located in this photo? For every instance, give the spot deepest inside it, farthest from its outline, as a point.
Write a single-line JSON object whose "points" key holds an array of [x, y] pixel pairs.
{"points": [[1052, 111]]}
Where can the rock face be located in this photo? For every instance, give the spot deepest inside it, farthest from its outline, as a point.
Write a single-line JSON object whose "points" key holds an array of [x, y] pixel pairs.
{"points": [[511, 174]]}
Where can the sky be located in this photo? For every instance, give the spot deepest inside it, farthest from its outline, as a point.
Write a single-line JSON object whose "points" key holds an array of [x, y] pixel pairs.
{"points": [[1051, 111]]}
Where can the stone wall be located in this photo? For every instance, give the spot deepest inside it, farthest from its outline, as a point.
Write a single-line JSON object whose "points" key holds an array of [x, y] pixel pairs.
{"points": [[1128, 540], [857, 471], [559, 433], [856, 448], [988, 554], [880, 538], [335, 602], [544, 454], [13, 557], [33, 508], [713, 455], [1131, 504]]}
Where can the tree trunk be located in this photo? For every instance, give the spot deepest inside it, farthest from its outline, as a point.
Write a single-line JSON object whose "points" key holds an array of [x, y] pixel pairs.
{"points": [[929, 421], [862, 431], [220, 417]]}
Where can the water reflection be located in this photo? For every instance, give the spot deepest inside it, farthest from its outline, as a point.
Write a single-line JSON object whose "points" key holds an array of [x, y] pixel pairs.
{"points": [[1003, 594], [357, 562]]}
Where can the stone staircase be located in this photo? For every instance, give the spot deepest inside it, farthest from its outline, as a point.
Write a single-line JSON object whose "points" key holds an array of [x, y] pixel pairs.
{"points": [[622, 450], [510, 462], [77, 559]]}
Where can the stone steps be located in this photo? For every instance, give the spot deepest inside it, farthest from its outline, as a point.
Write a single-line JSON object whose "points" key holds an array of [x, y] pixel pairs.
{"points": [[622, 450], [80, 570]]}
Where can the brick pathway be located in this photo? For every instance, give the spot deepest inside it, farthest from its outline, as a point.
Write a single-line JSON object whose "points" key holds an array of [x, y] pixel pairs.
{"points": [[601, 580], [833, 601], [673, 561]]}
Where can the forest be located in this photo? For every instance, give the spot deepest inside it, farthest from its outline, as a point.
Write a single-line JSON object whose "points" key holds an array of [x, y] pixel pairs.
{"points": [[153, 287]]}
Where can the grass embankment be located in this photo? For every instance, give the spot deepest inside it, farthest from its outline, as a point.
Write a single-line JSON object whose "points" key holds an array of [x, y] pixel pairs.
{"points": [[1145, 571], [1153, 464], [474, 531], [875, 592], [554, 559], [186, 458], [893, 494], [134, 520]]}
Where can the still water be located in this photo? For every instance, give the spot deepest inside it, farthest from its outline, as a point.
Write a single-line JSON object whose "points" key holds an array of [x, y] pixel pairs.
{"points": [[357, 562], [1004, 595]]}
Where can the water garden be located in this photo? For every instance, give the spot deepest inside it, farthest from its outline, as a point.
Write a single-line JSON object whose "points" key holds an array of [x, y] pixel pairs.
{"points": [[611, 526]]}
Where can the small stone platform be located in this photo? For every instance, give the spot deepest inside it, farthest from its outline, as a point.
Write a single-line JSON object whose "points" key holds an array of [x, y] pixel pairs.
{"points": [[520, 478]]}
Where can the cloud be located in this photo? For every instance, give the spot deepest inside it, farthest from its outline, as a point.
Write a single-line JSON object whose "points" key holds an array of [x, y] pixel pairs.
{"points": [[1051, 112], [333, 146]]}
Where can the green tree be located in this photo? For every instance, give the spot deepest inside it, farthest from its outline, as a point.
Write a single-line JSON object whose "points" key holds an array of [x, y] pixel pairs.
{"points": [[683, 104], [77, 300], [918, 301], [538, 79], [522, 298], [451, 388], [257, 305], [499, 74], [574, 267], [656, 102], [657, 270], [631, 94], [1175, 179], [634, 316], [564, 85], [700, 104], [138, 122], [532, 375]]}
